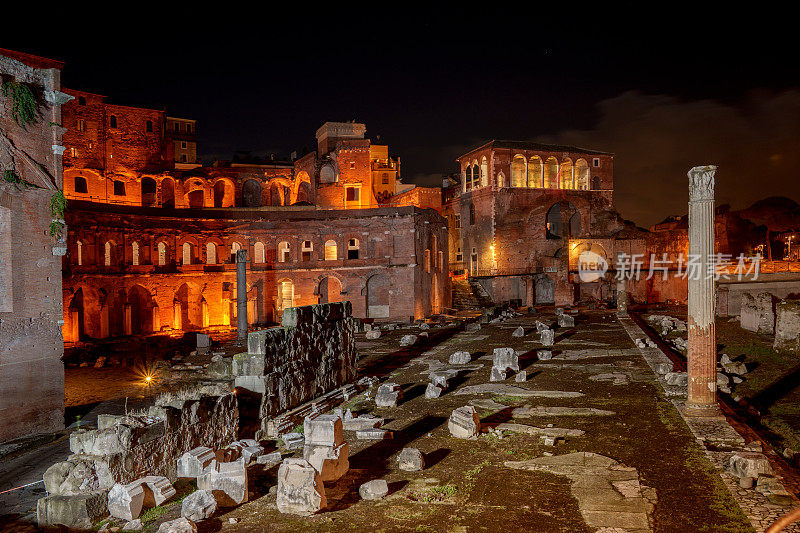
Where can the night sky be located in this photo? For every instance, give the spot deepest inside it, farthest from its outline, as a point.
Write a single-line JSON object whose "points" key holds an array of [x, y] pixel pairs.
{"points": [[661, 87]]}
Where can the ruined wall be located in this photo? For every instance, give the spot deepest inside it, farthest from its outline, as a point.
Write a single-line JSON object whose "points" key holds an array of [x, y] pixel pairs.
{"points": [[126, 448], [312, 353], [31, 371]]}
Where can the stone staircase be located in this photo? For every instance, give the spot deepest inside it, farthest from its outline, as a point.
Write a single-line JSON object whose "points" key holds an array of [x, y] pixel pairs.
{"points": [[469, 296]]}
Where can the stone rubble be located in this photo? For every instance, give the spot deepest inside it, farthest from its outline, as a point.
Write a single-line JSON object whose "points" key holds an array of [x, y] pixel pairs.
{"points": [[388, 395], [519, 332], [157, 490], [179, 525], [325, 448], [460, 358], [547, 337], [194, 462], [198, 505], [373, 490], [300, 489], [411, 460], [125, 501], [464, 423], [408, 340]]}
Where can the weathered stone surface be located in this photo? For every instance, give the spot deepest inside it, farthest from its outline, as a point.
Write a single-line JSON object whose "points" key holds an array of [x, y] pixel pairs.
{"points": [[460, 358], [157, 490], [544, 355], [519, 332], [748, 464], [373, 490], [541, 326], [547, 337], [408, 340], [323, 430], [293, 441], [433, 391], [541, 410], [96, 442], [521, 376], [194, 462], [133, 525], [79, 475], [125, 501], [537, 431], [388, 394], [199, 505], [464, 423], [269, 458], [332, 462], [374, 434], [497, 374], [76, 511], [772, 488], [505, 359], [787, 327], [227, 481], [300, 489], [411, 460], [566, 321], [373, 334], [362, 422], [179, 525], [680, 379], [664, 368], [440, 378], [757, 313], [513, 390], [472, 326]]}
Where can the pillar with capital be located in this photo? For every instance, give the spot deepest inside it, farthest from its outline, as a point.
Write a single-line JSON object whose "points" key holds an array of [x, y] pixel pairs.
{"points": [[702, 348]]}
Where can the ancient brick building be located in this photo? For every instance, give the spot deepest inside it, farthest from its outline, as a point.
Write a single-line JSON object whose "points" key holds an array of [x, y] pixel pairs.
{"points": [[347, 171], [31, 346], [517, 206], [138, 271]]}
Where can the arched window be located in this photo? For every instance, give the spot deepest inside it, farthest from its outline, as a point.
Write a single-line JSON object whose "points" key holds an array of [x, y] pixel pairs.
{"points": [[306, 250], [134, 253], [258, 250], [471, 214], [109, 253], [283, 252], [162, 253], [119, 188], [285, 296], [554, 229], [484, 172], [211, 253], [476, 175], [79, 253], [187, 253], [80, 184], [501, 179], [235, 247], [468, 178], [535, 172], [112, 121], [518, 169], [353, 248], [327, 174], [581, 175], [550, 173], [566, 175], [331, 250], [149, 126]]}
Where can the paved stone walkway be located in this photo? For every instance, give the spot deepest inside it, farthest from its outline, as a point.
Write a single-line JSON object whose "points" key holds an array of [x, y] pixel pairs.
{"points": [[712, 434]]}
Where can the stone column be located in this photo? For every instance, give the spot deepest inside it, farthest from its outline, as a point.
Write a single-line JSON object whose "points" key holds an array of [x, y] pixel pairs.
{"points": [[702, 351], [241, 294], [622, 290]]}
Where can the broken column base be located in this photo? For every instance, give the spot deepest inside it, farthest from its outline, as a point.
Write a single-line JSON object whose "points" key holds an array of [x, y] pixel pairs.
{"points": [[80, 511], [702, 410]]}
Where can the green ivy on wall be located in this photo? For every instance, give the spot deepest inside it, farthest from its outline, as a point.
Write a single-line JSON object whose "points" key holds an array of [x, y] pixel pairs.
{"points": [[23, 102], [57, 205]]}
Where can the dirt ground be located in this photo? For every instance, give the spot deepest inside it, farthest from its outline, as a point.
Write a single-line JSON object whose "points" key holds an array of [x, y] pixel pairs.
{"points": [[465, 485]]}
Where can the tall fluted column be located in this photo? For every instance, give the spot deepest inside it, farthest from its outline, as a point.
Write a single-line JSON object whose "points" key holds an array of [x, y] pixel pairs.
{"points": [[702, 351], [241, 294]]}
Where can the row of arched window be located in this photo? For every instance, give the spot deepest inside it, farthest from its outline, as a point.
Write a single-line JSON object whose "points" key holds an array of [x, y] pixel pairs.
{"points": [[189, 251], [534, 173]]}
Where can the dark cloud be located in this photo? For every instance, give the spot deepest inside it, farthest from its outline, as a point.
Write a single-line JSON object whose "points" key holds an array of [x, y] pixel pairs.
{"points": [[657, 138]]}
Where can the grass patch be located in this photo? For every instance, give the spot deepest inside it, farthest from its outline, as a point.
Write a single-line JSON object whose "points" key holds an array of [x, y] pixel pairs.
{"points": [[434, 494]]}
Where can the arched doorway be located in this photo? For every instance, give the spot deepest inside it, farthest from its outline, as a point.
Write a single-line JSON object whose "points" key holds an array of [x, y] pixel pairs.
{"points": [[303, 192], [189, 300], [148, 192], [251, 193], [274, 195], [330, 290], [167, 193], [77, 317], [285, 298], [223, 193], [197, 199], [377, 297], [140, 307]]}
